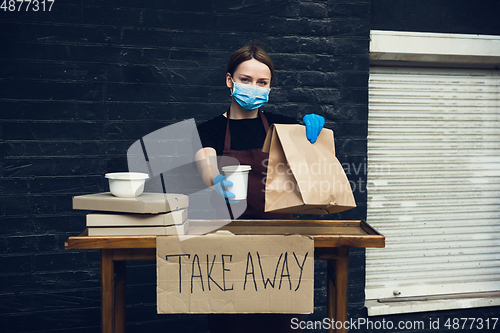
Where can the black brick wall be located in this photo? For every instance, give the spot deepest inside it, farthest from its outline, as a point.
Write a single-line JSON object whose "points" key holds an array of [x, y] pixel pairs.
{"points": [[443, 16], [82, 82]]}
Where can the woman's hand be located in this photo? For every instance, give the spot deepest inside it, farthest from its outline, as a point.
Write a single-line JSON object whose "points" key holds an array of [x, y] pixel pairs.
{"points": [[314, 123], [220, 185]]}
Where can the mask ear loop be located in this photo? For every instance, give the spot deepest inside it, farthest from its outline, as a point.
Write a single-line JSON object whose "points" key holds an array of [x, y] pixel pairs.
{"points": [[232, 89]]}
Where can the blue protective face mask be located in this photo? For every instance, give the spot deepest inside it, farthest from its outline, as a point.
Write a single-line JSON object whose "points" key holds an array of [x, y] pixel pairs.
{"points": [[248, 96]]}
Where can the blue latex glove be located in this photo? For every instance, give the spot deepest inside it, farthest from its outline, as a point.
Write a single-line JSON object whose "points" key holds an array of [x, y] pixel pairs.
{"points": [[314, 123], [220, 185]]}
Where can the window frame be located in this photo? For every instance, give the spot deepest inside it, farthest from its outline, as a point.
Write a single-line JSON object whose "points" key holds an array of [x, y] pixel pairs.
{"points": [[415, 49]]}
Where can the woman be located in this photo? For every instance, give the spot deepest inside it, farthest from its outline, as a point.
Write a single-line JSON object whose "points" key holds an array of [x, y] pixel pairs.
{"points": [[241, 130], [240, 133]]}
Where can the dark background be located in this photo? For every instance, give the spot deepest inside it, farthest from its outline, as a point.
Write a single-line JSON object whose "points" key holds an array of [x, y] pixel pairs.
{"points": [[82, 82], [460, 17]]}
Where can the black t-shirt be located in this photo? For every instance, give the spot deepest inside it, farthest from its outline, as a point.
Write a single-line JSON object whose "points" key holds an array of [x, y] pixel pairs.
{"points": [[245, 133]]}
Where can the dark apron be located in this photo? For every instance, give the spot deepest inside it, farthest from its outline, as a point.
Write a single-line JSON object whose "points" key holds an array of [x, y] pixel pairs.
{"points": [[252, 323], [257, 159]]}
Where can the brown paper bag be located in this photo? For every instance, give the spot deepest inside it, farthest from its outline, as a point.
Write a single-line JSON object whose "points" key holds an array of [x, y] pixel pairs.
{"points": [[304, 177]]}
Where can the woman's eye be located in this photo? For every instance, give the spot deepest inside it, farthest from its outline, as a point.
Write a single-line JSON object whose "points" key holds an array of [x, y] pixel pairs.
{"points": [[244, 80]]}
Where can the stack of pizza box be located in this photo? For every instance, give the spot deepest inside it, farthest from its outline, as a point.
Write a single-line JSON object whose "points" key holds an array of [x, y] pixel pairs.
{"points": [[148, 214]]}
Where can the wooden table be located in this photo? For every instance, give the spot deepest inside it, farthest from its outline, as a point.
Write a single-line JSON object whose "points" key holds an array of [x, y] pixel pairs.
{"points": [[332, 240]]}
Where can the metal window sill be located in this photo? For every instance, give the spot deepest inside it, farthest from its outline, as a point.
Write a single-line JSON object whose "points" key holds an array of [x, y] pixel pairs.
{"points": [[432, 303]]}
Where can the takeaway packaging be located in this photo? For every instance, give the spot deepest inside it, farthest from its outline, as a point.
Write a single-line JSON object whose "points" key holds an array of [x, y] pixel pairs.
{"points": [[238, 175], [304, 177], [146, 203], [120, 224], [147, 214]]}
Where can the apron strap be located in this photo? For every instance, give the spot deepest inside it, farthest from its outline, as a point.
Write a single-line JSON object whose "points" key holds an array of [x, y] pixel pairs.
{"points": [[227, 140]]}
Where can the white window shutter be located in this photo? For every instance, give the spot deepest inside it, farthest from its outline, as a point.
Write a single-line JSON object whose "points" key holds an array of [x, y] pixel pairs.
{"points": [[433, 181]]}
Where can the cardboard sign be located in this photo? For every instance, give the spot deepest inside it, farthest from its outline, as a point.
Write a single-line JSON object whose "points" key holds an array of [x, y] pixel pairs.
{"points": [[221, 273]]}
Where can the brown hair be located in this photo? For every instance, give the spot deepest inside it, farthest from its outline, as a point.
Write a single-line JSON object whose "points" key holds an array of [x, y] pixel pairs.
{"points": [[248, 52]]}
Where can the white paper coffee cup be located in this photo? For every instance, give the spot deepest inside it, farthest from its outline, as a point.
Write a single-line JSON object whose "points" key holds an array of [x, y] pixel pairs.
{"points": [[238, 174]]}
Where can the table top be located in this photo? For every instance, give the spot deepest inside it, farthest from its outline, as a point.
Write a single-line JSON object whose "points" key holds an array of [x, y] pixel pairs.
{"points": [[326, 233]]}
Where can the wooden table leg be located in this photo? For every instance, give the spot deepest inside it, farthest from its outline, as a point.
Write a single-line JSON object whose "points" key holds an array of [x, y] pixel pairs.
{"points": [[331, 292], [113, 285], [338, 283], [107, 291], [342, 284], [120, 286]]}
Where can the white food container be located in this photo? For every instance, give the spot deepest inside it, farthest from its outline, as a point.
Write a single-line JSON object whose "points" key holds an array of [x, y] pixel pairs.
{"points": [[238, 174], [126, 184]]}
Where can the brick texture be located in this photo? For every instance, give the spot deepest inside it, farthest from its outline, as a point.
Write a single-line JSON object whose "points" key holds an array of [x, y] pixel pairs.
{"points": [[464, 17], [82, 82]]}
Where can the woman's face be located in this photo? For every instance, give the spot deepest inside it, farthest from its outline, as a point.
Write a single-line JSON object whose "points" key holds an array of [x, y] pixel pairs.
{"points": [[251, 72]]}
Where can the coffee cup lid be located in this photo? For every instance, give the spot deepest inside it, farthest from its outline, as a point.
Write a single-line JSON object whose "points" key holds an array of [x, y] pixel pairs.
{"points": [[236, 168]]}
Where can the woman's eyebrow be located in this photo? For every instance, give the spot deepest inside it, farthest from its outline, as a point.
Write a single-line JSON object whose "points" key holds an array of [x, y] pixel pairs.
{"points": [[249, 76]]}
